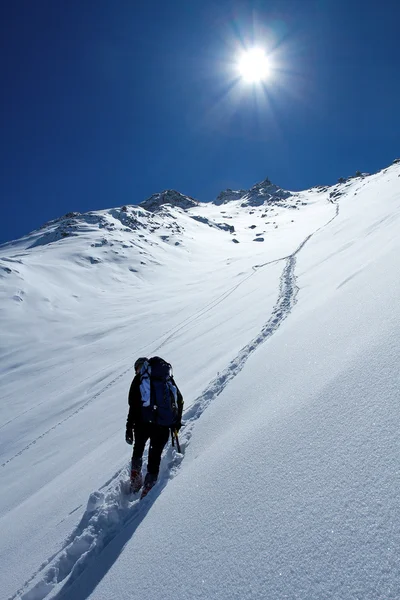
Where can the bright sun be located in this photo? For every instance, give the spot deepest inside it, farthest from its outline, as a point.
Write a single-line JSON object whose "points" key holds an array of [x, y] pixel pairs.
{"points": [[254, 65]]}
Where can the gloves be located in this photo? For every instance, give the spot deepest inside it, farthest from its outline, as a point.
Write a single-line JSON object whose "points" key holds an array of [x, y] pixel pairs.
{"points": [[129, 436], [177, 426]]}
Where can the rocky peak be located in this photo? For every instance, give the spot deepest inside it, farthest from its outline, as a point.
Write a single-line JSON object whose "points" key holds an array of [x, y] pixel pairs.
{"points": [[259, 194], [172, 197], [264, 192], [229, 195]]}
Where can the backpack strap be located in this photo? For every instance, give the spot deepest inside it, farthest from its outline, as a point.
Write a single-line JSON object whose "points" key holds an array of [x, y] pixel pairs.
{"points": [[145, 384], [153, 405]]}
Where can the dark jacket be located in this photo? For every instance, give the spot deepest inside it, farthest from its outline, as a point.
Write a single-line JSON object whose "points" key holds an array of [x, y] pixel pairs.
{"points": [[135, 404]]}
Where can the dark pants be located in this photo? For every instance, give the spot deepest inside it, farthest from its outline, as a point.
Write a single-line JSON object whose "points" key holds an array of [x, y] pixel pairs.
{"points": [[158, 438]]}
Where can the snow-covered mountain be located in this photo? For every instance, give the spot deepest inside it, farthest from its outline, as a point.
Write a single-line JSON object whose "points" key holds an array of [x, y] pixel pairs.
{"points": [[279, 313]]}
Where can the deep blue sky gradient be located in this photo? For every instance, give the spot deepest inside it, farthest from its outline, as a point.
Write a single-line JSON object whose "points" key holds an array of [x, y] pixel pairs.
{"points": [[105, 103]]}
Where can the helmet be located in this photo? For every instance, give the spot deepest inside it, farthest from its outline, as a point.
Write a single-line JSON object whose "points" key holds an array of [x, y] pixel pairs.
{"points": [[140, 362]]}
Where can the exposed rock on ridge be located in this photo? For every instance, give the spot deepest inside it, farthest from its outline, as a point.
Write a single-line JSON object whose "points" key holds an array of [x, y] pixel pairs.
{"points": [[156, 201], [260, 193]]}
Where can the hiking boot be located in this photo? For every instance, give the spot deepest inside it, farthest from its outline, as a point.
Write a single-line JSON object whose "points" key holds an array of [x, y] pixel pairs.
{"points": [[136, 481], [149, 482], [136, 475]]}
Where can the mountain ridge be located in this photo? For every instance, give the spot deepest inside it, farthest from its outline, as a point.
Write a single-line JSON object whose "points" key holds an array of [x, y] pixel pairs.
{"points": [[263, 193]]}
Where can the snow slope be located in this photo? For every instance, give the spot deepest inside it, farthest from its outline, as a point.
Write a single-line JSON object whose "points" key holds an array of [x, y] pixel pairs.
{"points": [[286, 352]]}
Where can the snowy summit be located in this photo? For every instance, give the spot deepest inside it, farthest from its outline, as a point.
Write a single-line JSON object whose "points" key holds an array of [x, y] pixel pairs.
{"points": [[279, 313]]}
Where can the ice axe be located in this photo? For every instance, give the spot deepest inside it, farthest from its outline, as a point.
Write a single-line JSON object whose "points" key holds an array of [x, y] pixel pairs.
{"points": [[174, 436]]}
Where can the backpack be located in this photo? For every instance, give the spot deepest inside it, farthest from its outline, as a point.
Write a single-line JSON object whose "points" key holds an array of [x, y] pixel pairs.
{"points": [[159, 393]]}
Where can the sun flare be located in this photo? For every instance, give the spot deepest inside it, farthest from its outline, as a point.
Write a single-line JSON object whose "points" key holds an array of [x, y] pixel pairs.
{"points": [[254, 65]]}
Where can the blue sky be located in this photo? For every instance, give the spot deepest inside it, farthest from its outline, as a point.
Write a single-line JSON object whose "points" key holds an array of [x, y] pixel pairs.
{"points": [[105, 103]]}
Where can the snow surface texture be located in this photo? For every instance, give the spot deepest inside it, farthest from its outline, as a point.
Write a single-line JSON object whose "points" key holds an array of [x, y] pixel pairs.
{"points": [[286, 352]]}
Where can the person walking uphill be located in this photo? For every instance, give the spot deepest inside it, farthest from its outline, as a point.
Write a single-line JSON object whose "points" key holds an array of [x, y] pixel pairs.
{"points": [[155, 410]]}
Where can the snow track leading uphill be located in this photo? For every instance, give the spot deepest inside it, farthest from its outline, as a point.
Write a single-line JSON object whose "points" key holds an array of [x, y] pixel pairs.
{"points": [[287, 299]]}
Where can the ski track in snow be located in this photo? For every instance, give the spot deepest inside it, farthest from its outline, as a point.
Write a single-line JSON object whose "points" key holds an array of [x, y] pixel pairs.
{"points": [[109, 511], [75, 412]]}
